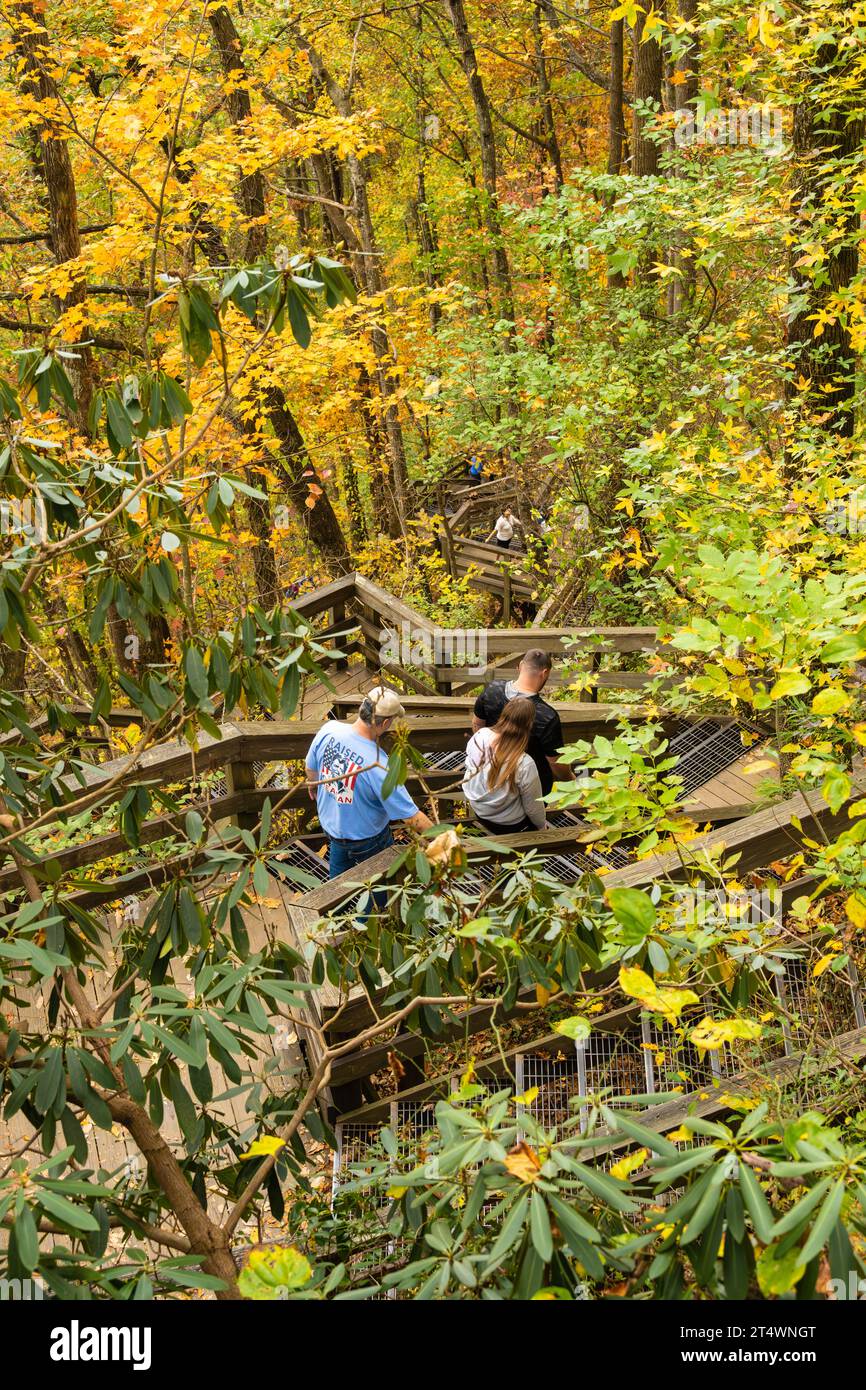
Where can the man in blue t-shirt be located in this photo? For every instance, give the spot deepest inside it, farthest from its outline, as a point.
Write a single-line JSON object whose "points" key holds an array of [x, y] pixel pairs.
{"points": [[345, 772]]}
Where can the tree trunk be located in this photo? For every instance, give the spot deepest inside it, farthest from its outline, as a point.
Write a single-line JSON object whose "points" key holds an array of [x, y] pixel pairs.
{"points": [[615, 119], [368, 266], [53, 164], [545, 100], [251, 187], [648, 71], [294, 465], [487, 146], [682, 286], [428, 244], [264, 560]]}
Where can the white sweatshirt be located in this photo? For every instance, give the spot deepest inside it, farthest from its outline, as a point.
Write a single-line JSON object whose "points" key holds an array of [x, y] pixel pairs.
{"points": [[502, 805]]}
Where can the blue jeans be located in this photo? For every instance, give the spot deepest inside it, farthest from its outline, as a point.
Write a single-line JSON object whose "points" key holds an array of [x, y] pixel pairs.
{"points": [[348, 854]]}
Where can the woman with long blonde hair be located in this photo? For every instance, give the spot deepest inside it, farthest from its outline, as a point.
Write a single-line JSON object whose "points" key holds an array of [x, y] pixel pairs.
{"points": [[501, 781]]}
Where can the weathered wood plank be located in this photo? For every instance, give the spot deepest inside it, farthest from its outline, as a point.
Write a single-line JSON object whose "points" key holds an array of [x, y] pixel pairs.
{"points": [[757, 840], [321, 599]]}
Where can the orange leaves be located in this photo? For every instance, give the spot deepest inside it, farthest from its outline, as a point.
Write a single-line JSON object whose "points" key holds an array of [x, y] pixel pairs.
{"points": [[523, 1163]]}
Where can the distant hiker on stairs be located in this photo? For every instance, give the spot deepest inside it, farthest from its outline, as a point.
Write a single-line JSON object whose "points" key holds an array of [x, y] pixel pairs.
{"points": [[503, 531]]}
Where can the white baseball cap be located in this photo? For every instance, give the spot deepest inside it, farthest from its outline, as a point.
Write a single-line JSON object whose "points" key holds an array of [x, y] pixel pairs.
{"points": [[385, 702]]}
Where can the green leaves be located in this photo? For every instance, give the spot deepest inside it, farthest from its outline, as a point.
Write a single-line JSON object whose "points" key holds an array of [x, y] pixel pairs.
{"points": [[136, 408], [844, 650], [277, 295], [576, 1028], [25, 1237], [44, 373], [197, 322], [634, 910]]}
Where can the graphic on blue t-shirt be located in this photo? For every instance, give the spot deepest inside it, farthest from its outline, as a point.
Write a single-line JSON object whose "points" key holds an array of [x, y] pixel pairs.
{"points": [[351, 772], [337, 761]]}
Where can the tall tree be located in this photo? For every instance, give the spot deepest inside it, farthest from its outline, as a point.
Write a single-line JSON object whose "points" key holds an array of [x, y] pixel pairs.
{"points": [[487, 148], [369, 263], [615, 114], [648, 72], [299, 475]]}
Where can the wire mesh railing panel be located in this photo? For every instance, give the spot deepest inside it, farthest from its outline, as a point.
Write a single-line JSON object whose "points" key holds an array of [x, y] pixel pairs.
{"points": [[302, 858], [354, 1144], [558, 1082], [568, 868], [449, 760], [559, 820], [615, 1062], [677, 1065], [278, 774], [690, 736], [414, 1121], [822, 1007]]}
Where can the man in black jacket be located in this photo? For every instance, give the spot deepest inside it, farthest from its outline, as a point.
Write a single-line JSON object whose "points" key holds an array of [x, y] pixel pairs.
{"points": [[546, 740]]}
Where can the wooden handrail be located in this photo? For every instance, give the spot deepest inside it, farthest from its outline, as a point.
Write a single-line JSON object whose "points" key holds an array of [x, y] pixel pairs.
{"points": [[758, 839]]}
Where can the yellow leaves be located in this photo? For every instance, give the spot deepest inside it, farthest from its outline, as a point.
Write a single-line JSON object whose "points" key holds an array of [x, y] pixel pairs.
{"points": [[777, 1274], [712, 1033], [668, 1002], [725, 968], [264, 1147], [59, 280], [628, 1165], [823, 964], [855, 910], [468, 1076], [680, 1135], [629, 11], [654, 21], [830, 700], [763, 27], [790, 683], [523, 1163], [528, 1096]]}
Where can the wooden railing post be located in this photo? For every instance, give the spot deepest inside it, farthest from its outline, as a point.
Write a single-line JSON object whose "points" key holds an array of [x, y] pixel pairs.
{"points": [[506, 594], [447, 543], [594, 666], [241, 777], [338, 619]]}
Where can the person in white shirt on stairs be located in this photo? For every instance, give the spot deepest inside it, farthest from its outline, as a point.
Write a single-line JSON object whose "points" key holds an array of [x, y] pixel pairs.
{"points": [[503, 531], [501, 782]]}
